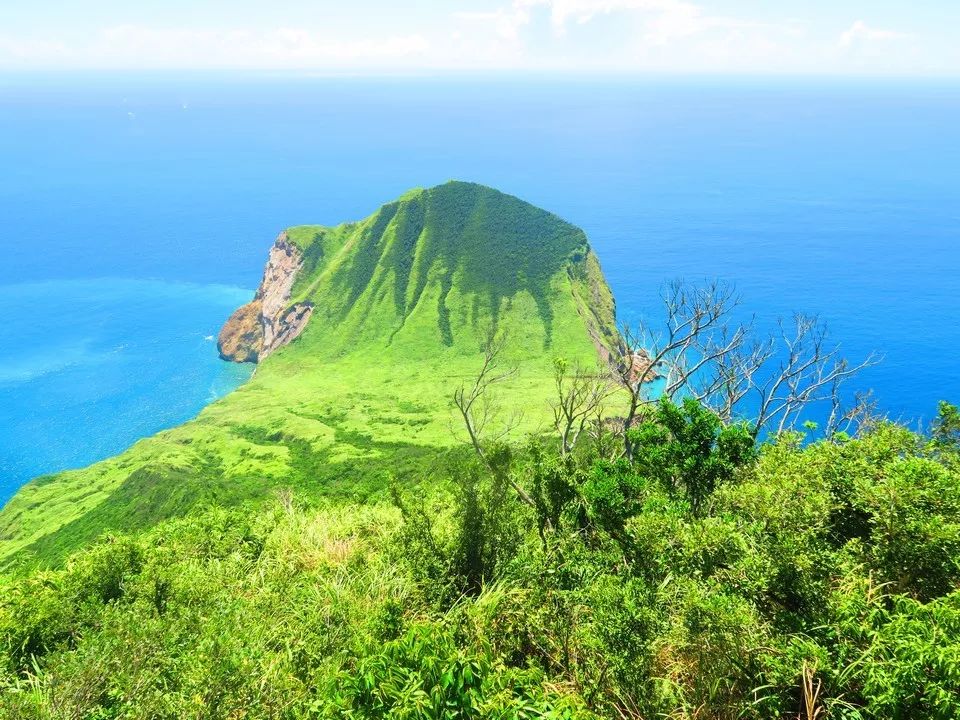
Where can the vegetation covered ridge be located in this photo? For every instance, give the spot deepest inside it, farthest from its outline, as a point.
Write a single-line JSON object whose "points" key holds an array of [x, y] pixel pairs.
{"points": [[399, 306]]}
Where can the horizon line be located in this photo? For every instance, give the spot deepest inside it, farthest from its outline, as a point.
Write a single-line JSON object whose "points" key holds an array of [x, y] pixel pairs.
{"points": [[499, 73]]}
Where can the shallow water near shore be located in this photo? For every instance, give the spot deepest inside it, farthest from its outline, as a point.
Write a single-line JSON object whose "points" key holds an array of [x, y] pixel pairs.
{"points": [[835, 197], [98, 364]]}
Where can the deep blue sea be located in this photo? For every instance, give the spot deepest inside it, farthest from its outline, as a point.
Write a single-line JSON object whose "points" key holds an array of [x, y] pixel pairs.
{"points": [[136, 212]]}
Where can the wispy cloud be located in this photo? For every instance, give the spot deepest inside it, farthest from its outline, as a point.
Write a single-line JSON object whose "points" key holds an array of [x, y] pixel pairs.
{"points": [[662, 21], [861, 32], [506, 22], [547, 35], [509, 20], [666, 16], [654, 35]]}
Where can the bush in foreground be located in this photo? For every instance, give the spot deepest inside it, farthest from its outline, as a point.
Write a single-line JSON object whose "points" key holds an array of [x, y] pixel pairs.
{"points": [[705, 578]]}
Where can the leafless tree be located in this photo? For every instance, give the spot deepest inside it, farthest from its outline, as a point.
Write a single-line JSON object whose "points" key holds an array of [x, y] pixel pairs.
{"points": [[696, 336], [605, 434], [703, 353], [850, 420], [733, 374], [579, 399], [479, 408], [809, 371]]}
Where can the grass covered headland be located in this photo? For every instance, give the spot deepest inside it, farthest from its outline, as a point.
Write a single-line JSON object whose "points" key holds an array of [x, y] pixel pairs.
{"points": [[461, 493]]}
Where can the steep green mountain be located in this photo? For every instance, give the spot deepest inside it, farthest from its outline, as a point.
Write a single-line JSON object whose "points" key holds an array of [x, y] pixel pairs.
{"points": [[362, 331]]}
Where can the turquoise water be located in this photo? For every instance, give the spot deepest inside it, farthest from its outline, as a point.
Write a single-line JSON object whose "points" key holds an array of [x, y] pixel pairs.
{"points": [[91, 366], [834, 197]]}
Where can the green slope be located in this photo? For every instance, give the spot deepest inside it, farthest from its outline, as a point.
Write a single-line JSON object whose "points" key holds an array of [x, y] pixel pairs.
{"points": [[401, 302]]}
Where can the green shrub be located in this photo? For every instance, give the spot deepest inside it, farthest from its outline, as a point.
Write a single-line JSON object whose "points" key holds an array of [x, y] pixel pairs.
{"points": [[701, 580]]}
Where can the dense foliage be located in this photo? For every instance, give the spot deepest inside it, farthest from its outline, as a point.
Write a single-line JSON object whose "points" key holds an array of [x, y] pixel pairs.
{"points": [[705, 578]]}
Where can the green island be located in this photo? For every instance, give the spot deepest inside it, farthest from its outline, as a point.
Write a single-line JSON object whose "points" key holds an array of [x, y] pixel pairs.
{"points": [[454, 488]]}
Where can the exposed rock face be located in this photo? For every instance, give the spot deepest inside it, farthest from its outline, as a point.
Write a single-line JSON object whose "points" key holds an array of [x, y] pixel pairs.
{"points": [[642, 368], [267, 322], [241, 337], [288, 327]]}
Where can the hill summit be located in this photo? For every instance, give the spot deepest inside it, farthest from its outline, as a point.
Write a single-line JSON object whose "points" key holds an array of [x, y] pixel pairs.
{"points": [[361, 333], [425, 270]]}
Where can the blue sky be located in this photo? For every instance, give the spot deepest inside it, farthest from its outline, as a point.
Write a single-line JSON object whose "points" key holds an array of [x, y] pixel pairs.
{"points": [[842, 37]]}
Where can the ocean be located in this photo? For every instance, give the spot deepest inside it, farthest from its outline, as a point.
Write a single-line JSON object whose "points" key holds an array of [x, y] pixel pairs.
{"points": [[137, 210]]}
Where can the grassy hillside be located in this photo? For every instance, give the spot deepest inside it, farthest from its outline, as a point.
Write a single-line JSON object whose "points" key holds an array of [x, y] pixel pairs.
{"points": [[402, 300]]}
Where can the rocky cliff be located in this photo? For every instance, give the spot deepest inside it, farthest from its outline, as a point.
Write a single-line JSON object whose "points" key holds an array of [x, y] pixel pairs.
{"points": [[269, 321]]}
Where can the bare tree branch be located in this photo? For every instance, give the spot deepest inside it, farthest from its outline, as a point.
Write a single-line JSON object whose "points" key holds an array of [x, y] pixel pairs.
{"points": [[579, 397], [702, 353], [475, 404], [697, 335], [809, 372], [851, 420], [733, 376], [479, 408]]}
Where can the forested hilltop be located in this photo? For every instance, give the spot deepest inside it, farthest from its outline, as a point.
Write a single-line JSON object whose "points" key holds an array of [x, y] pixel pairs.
{"points": [[453, 489]]}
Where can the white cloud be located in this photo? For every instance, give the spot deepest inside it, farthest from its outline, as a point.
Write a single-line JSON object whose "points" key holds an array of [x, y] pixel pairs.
{"points": [[549, 35], [676, 13], [509, 20], [861, 32], [679, 20], [648, 35], [506, 22], [661, 21]]}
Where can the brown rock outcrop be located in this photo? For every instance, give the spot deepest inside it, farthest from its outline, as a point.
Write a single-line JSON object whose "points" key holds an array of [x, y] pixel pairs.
{"points": [[241, 337], [641, 366], [268, 322]]}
